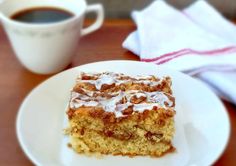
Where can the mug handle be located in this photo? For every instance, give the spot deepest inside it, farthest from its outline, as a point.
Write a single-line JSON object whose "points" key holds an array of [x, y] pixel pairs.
{"points": [[98, 9]]}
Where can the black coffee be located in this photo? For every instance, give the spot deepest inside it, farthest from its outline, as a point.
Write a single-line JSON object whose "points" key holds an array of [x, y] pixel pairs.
{"points": [[41, 15]]}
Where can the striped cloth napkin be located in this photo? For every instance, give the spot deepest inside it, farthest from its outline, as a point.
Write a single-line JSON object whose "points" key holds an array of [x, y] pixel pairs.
{"points": [[197, 40]]}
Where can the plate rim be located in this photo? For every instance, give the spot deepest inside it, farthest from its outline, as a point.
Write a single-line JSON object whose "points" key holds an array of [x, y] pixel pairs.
{"points": [[34, 160]]}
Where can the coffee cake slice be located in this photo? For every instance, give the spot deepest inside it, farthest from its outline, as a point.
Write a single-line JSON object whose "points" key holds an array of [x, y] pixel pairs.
{"points": [[116, 114]]}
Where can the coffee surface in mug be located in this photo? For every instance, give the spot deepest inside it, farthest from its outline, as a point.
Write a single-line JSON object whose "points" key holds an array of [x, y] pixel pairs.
{"points": [[41, 15]]}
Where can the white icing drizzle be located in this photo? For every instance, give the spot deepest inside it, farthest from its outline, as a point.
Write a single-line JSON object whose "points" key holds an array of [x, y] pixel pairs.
{"points": [[109, 105], [79, 103], [75, 95], [158, 99], [144, 106], [148, 82], [121, 107], [104, 79], [143, 77], [112, 78], [138, 95], [113, 102]]}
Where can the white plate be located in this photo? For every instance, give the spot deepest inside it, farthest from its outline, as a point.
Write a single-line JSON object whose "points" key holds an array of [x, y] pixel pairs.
{"points": [[202, 124]]}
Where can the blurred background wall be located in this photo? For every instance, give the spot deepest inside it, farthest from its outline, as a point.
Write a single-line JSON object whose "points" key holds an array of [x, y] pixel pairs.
{"points": [[122, 8]]}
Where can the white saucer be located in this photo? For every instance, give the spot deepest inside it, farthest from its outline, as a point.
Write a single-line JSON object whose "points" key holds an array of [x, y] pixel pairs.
{"points": [[202, 124]]}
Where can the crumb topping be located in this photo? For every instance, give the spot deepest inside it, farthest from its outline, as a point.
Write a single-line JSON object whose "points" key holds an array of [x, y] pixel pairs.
{"points": [[90, 92]]}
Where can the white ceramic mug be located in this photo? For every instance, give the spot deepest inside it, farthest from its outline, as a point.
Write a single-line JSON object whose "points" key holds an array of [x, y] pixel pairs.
{"points": [[49, 47]]}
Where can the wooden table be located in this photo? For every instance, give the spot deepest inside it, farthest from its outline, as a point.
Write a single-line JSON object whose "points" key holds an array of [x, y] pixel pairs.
{"points": [[16, 82]]}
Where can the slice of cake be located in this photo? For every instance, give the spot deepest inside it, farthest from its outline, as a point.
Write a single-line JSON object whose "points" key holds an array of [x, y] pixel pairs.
{"points": [[117, 114]]}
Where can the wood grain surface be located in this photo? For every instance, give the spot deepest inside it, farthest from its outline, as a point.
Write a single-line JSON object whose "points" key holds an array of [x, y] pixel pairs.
{"points": [[16, 82]]}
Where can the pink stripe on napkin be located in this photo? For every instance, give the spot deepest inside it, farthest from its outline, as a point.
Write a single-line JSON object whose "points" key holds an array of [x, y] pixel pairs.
{"points": [[170, 56]]}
